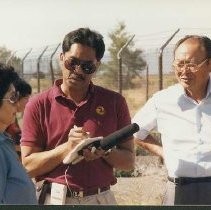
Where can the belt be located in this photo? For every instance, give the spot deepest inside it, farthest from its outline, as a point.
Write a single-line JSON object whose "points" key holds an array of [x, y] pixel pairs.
{"points": [[189, 180], [82, 193]]}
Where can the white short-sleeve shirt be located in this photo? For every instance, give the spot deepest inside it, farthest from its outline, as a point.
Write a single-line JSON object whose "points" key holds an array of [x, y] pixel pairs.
{"points": [[185, 128]]}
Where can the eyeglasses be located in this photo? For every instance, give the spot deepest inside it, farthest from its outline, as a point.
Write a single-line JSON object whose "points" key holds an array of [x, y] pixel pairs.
{"points": [[88, 67], [13, 98], [193, 67]]}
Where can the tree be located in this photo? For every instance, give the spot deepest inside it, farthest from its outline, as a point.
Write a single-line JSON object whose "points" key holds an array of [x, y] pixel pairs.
{"points": [[7, 57], [132, 61]]}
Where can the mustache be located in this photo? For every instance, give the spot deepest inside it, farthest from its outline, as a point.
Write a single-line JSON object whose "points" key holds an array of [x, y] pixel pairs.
{"points": [[75, 75]]}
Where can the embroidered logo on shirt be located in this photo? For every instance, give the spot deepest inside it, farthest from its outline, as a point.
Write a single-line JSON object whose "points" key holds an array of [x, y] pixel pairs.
{"points": [[100, 110]]}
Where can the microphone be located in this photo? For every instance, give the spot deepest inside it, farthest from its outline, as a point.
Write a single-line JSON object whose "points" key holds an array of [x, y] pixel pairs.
{"points": [[106, 143], [118, 136], [113, 139]]}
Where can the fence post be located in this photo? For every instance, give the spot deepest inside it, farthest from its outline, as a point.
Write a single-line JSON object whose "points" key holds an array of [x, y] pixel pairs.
{"points": [[51, 63], [160, 59], [10, 57], [22, 62], [147, 81], [119, 57], [38, 68], [120, 76]]}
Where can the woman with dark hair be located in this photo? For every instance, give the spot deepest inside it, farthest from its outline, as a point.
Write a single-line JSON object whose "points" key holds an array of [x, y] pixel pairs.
{"points": [[15, 185], [14, 129]]}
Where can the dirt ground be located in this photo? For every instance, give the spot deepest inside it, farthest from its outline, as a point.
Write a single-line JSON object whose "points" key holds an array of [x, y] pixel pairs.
{"points": [[147, 189]]}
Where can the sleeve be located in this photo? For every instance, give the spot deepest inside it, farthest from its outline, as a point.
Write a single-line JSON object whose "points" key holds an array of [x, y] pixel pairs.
{"points": [[146, 118], [123, 114], [32, 129], [3, 174]]}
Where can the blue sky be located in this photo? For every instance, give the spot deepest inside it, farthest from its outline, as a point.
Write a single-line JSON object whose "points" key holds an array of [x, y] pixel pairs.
{"points": [[37, 23]]}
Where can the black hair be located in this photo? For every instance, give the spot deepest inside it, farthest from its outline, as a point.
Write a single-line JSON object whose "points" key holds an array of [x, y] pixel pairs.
{"points": [[204, 40], [23, 88], [7, 77], [86, 37]]}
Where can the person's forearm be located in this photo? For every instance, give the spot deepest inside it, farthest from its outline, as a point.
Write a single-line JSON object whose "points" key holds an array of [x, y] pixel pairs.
{"points": [[122, 157], [40, 163], [151, 145]]}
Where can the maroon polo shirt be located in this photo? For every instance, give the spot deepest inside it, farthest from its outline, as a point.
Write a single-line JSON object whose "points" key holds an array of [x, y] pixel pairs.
{"points": [[48, 118]]}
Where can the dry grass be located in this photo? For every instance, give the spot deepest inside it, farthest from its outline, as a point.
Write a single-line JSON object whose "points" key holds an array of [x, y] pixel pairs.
{"points": [[147, 189], [135, 99]]}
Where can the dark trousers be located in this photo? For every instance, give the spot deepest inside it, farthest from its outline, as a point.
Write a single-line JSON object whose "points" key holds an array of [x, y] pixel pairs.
{"points": [[188, 194]]}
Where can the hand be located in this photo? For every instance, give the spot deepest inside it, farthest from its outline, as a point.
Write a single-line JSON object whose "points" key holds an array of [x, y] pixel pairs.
{"points": [[93, 153], [76, 135], [75, 155]]}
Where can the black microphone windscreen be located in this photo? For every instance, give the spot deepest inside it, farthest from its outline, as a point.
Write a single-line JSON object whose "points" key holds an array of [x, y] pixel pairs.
{"points": [[118, 136]]}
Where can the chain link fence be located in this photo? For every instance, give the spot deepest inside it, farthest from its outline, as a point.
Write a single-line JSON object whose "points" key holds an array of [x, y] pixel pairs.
{"points": [[40, 66]]}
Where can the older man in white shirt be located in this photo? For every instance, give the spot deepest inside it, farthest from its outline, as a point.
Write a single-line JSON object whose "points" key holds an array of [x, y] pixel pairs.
{"points": [[182, 114]]}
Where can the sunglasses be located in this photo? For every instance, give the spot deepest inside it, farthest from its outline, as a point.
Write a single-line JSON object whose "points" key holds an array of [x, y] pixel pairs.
{"points": [[88, 67], [13, 98]]}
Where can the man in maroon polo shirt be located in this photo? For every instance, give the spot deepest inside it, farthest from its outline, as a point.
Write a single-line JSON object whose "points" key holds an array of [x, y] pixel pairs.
{"points": [[75, 101]]}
